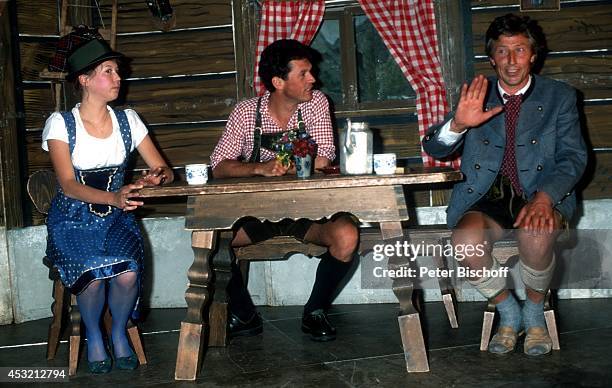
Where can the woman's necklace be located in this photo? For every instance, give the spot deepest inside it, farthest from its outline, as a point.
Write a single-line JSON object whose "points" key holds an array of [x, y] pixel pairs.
{"points": [[99, 129]]}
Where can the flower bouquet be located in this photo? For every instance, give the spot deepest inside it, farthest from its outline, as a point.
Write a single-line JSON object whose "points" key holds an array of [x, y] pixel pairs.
{"points": [[298, 147], [293, 143]]}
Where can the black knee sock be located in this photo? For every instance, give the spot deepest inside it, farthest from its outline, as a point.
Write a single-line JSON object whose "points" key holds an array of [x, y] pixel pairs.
{"points": [[330, 273], [240, 302]]}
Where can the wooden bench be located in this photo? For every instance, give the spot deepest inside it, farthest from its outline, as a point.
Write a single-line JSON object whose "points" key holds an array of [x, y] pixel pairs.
{"points": [[281, 248]]}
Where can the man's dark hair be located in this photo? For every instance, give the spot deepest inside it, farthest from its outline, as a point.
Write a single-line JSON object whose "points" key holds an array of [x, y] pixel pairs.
{"points": [[511, 25], [275, 60]]}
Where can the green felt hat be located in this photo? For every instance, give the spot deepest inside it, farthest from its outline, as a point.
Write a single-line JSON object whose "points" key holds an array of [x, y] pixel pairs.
{"points": [[88, 55]]}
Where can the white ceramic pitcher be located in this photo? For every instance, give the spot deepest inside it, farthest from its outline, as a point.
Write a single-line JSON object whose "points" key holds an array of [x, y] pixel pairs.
{"points": [[356, 148]]}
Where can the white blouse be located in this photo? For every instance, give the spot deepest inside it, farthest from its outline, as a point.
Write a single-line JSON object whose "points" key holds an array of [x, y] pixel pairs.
{"points": [[92, 152]]}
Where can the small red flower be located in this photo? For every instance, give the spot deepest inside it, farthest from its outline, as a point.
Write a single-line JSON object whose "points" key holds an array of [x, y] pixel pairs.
{"points": [[303, 147]]}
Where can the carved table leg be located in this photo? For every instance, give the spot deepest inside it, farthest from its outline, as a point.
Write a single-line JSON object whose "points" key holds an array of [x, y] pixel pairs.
{"points": [[408, 319], [218, 310], [197, 295]]}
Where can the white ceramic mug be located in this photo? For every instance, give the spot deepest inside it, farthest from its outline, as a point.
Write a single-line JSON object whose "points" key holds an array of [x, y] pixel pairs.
{"points": [[384, 164], [197, 174]]}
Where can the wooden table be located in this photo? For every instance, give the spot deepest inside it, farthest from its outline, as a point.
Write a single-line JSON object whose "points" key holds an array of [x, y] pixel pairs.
{"points": [[217, 205]]}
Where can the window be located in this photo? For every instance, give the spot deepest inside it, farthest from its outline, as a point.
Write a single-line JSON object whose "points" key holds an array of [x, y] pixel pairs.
{"points": [[357, 71]]}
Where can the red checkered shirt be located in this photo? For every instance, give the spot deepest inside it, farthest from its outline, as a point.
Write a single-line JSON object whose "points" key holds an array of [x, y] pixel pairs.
{"points": [[236, 142]]}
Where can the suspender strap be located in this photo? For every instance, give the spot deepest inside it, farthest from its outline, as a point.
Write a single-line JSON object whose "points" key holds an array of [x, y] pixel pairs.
{"points": [[301, 124], [256, 154], [257, 135], [126, 133], [70, 122]]}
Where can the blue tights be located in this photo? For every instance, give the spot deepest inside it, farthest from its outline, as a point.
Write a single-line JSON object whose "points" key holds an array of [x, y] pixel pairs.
{"points": [[122, 295]]}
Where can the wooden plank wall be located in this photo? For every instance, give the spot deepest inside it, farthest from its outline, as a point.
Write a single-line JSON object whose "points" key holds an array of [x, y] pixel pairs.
{"points": [[579, 38], [183, 82], [10, 190]]}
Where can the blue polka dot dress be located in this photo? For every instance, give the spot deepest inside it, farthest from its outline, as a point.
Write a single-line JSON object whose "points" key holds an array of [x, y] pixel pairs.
{"points": [[87, 241]]}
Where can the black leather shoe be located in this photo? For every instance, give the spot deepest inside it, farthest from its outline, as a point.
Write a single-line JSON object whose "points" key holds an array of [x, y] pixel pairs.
{"points": [[318, 326], [238, 327]]}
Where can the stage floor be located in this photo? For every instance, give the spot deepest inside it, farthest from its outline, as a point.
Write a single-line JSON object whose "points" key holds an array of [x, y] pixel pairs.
{"points": [[366, 353]]}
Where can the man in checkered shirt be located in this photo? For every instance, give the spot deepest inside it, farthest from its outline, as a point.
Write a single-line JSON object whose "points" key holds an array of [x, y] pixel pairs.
{"points": [[285, 70]]}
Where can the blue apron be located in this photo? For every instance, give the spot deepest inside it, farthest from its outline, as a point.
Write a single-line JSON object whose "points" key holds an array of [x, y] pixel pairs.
{"points": [[87, 242]]}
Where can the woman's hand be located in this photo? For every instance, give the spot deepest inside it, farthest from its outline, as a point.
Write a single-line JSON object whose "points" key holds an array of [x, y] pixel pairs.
{"points": [[125, 198], [156, 176]]}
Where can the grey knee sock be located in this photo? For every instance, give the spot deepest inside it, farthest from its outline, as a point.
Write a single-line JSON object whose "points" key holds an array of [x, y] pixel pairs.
{"points": [[510, 313], [533, 314]]}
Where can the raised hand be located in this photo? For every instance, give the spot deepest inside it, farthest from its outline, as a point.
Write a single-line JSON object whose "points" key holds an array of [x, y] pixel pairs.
{"points": [[470, 110]]}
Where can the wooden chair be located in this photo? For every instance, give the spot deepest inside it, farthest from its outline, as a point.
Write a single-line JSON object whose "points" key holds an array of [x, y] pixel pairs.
{"points": [[41, 188], [503, 251]]}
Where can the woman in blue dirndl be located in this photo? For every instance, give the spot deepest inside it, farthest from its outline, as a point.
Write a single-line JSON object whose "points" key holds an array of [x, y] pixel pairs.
{"points": [[93, 238]]}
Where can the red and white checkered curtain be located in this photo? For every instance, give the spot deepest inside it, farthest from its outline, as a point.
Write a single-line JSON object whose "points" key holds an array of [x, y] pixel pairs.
{"points": [[297, 20], [408, 28]]}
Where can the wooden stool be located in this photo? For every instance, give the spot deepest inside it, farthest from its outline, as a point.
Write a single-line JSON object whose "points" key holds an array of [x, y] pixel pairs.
{"points": [[41, 189], [503, 251]]}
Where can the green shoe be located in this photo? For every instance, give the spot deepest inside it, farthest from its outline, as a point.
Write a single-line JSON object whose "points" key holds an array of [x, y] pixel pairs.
{"points": [[124, 363], [100, 367], [127, 363]]}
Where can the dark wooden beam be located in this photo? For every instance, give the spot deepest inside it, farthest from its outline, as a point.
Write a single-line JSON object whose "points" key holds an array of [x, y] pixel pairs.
{"points": [[245, 41], [451, 24], [10, 187]]}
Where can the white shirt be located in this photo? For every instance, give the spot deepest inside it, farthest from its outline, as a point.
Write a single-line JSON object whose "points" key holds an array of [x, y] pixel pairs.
{"points": [[448, 137], [92, 152]]}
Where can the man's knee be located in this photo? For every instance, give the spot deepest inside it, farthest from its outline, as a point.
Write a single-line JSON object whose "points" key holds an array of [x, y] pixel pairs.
{"points": [[241, 238], [475, 229], [536, 250], [469, 237], [344, 236]]}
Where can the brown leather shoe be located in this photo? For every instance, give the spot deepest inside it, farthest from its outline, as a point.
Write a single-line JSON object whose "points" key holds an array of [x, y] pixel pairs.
{"points": [[503, 341], [537, 342]]}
